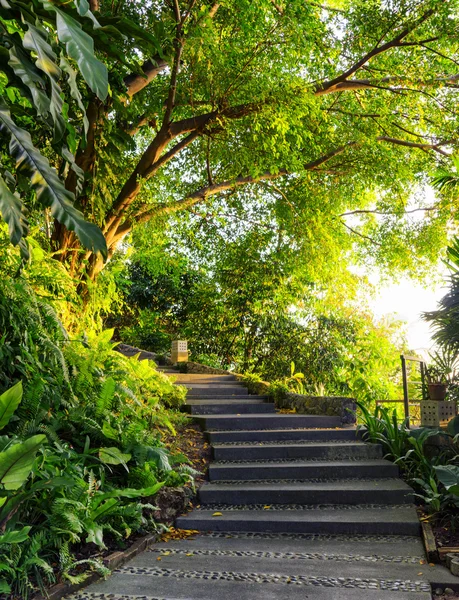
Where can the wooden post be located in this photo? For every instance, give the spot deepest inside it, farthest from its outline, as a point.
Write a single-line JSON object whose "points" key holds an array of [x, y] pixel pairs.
{"points": [[406, 400]]}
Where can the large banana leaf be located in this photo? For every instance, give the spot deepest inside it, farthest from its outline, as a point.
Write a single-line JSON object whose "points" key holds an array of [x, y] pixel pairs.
{"points": [[75, 92], [80, 47], [35, 40], [9, 401], [16, 462], [28, 74], [11, 211], [49, 188]]}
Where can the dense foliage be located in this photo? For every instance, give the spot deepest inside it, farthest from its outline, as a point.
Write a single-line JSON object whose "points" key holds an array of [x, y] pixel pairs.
{"points": [[432, 469], [322, 121], [234, 161], [247, 305], [80, 446]]}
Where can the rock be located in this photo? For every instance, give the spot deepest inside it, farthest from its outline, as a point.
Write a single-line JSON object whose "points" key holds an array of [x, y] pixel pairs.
{"points": [[438, 591], [449, 592], [170, 502], [452, 562]]}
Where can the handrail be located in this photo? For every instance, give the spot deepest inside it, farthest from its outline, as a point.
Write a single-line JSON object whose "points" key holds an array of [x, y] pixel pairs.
{"points": [[406, 400]]}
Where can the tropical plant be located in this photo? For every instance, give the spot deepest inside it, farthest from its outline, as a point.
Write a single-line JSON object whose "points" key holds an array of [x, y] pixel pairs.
{"points": [[41, 44], [384, 428], [443, 367], [296, 380], [81, 452], [445, 320]]}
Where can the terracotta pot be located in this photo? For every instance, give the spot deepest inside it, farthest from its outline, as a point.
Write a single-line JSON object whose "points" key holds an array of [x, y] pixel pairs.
{"points": [[437, 391]]}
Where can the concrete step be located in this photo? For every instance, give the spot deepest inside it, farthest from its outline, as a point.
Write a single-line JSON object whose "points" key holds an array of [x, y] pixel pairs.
{"points": [[278, 435], [404, 549], [185, 583], [206, 407], [302, 469], [361, 520], [227, 422], [282, 570], [216, 391], [308, 450], [202, 378], [343, 491], [224, 398], [224, 385]]}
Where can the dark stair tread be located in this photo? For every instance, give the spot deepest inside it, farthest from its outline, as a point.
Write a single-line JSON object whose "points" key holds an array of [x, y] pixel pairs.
{"points": [[387, 520], [349, 484], [284, 435], [230, 401], [302, 462], [295, 443], [186, 584]]}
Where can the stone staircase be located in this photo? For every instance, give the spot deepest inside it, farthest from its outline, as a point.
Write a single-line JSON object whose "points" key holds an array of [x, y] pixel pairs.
{"points": [[289, 473], [296, 508]]}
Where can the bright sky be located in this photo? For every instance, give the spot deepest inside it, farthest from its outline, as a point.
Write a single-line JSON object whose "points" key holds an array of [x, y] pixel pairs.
{"points": [[407, 300]]}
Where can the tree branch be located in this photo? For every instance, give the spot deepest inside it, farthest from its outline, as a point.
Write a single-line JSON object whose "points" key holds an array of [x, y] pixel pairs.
{"points": [[382, 212], [217, 188], [422, 146], [171, 153], [365, 237], [135, 82], [395, 42]]}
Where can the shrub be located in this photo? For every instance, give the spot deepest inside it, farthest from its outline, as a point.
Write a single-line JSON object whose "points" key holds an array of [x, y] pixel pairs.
{"points": [[89, 423]]}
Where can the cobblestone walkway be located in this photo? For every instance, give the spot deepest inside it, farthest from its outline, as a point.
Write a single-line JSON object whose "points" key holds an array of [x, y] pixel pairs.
{"points": [[296, 507]]}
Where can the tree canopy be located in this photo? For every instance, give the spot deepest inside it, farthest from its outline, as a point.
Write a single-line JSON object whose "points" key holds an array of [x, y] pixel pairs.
{"points": [[324, 118]]}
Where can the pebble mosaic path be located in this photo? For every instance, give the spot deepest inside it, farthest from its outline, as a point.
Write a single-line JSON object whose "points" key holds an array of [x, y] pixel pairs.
{"points": [[295, 508]]}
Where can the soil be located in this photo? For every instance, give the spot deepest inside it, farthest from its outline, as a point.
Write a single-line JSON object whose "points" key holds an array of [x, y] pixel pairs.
{"points": [[445, 529], [191, 442]]}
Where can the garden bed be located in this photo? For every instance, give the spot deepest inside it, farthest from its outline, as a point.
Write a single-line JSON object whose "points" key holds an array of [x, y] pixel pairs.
{"points": [[171, 502]]}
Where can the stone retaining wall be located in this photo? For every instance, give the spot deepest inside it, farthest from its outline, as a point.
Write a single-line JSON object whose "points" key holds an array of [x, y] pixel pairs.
{"points": [[332, 406], [192, 367]]}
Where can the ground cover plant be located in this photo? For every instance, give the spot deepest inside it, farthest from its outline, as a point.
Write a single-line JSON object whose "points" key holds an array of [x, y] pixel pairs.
{"points": [[81, 450]]}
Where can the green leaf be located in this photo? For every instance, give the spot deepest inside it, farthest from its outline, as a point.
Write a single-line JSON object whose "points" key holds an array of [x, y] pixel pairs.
{"points": [[47, 185], [11, 210], [83, 11], [15, 537], [114, 456], [96, 535], [80, 47], [28, 74], [74, 91], [110, 432], [128, 493], [448, 475], [16, 462], [35, 40], [453, 426], [5, 587], [103, 508], [9, 401]]}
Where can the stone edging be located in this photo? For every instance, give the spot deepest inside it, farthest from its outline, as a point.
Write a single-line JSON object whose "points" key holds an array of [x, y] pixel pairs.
{"points": [[331, 406], [112, 562]]}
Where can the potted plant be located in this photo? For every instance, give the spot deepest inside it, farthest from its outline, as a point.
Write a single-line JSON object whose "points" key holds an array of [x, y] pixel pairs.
{"points": [[441, 373]]}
